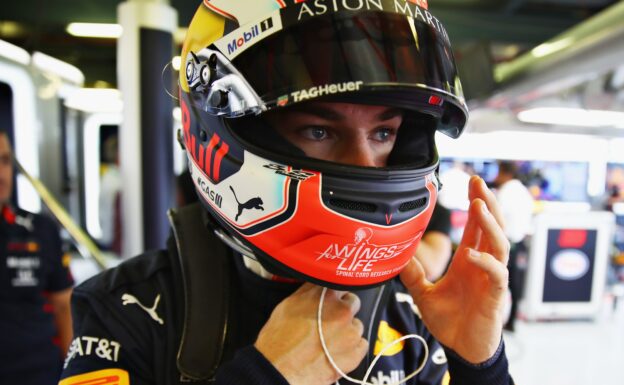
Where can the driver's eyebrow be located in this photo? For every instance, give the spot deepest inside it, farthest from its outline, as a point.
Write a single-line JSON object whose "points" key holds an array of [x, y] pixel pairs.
{"points": [[333, 115], [390, 114], [318, 111]]}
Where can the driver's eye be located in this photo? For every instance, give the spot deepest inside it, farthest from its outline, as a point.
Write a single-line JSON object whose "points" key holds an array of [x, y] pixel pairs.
{"points": [[384, 134], [315, 133]]}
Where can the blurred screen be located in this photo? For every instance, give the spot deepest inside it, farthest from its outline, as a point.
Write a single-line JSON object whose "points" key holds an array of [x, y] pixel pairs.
{"points": [[547, 180]]}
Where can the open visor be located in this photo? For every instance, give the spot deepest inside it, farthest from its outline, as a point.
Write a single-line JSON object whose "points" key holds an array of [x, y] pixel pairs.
{"points": [[366, 57]]}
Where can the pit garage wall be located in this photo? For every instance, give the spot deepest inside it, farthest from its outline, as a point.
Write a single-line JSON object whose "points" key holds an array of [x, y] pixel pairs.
{"points": [[146, 156]]}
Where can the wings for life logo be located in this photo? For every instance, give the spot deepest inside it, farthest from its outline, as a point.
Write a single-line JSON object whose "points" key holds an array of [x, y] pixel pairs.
{"points": [[359, 259]]}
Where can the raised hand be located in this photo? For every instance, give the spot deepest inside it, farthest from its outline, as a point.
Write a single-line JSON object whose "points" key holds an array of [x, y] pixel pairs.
{"points": [[464, 309], [290, 340]]}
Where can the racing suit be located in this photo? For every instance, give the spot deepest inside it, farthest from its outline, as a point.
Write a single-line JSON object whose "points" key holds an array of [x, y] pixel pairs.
{"points": [[128, 324], [32, 265]]}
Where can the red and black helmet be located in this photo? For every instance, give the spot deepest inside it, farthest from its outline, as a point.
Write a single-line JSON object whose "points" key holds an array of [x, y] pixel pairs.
{"points": [[337, 225]]}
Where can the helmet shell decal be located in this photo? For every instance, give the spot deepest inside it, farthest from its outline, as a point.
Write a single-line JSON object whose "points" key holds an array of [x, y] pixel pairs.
{"points": [[288, 220], [413, 8], [338, 249], [360, 257], [245, 200], [207, 157], [300, 9], [244, 14], [237, 41]]}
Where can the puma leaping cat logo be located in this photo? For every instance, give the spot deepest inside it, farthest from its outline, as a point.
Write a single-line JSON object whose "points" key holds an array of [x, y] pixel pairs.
{"points": [[130, 299], [253, 203]]}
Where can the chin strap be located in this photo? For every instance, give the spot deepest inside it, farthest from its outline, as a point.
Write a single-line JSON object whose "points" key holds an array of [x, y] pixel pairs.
{"points": [[256, 267], [373, 301], [205, 273]]}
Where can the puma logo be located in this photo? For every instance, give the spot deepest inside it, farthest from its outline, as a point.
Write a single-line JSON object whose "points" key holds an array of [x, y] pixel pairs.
{"points": [[253, 203], [130, 299]]}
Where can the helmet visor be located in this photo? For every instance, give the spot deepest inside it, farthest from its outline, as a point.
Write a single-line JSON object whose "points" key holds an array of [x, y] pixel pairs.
{"points": [[385, 58]]}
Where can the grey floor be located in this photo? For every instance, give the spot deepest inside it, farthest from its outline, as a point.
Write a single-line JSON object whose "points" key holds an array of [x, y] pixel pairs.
{"points": [[569, 352]]}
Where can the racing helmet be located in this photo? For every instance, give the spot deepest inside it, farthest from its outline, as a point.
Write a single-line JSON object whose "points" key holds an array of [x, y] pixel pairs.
{"points": [[340, 226]]}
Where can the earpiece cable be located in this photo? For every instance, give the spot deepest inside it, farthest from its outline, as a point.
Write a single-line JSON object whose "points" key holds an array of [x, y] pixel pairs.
{"points": [[377, 356]]}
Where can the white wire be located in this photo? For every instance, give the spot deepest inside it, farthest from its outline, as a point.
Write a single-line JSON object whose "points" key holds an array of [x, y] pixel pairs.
{"points": [[377, 356]]}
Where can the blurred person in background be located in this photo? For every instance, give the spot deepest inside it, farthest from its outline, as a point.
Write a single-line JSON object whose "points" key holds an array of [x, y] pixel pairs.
{"points": [[516, 204], [35, 289], [435, 248], [454, 192], [110, 197]]}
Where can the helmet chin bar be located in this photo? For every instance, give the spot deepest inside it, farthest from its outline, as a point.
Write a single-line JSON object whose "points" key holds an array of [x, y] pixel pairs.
{"points": [[218, 88], [275, 267]]}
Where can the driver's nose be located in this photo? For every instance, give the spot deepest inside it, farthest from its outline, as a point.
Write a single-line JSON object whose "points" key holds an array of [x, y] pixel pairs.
{"points": [[358, 152]]}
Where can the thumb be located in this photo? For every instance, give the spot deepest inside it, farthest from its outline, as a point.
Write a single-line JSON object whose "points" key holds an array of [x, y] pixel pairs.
{"points": [[414, 279]]}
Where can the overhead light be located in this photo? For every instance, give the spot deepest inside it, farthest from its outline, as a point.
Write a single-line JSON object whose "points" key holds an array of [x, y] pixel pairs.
{"points": [[14, 53], [102, 84], [551, 47], [58, 67], [11, 29], [572, 117], [177, 114], [94, 100], [99, 30], [179, 35], [175, 62]]}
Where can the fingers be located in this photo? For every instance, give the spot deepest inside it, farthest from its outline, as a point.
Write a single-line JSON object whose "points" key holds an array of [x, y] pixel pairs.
{"points": [[359, 352], [496, 242], [414, 279], [483, 230], [351, 300], [495, 270], [478, 190], [343, 331], [339, 300], [290, 338], [340, 306], [358, 326], [472, 231]]}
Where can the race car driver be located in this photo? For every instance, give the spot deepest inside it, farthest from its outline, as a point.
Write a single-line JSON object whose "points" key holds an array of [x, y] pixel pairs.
{"points": [[309, 128]]}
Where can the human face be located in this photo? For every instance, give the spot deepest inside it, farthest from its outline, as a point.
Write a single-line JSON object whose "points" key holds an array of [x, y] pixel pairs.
{"points": [[6, 170], [353, 134]]}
